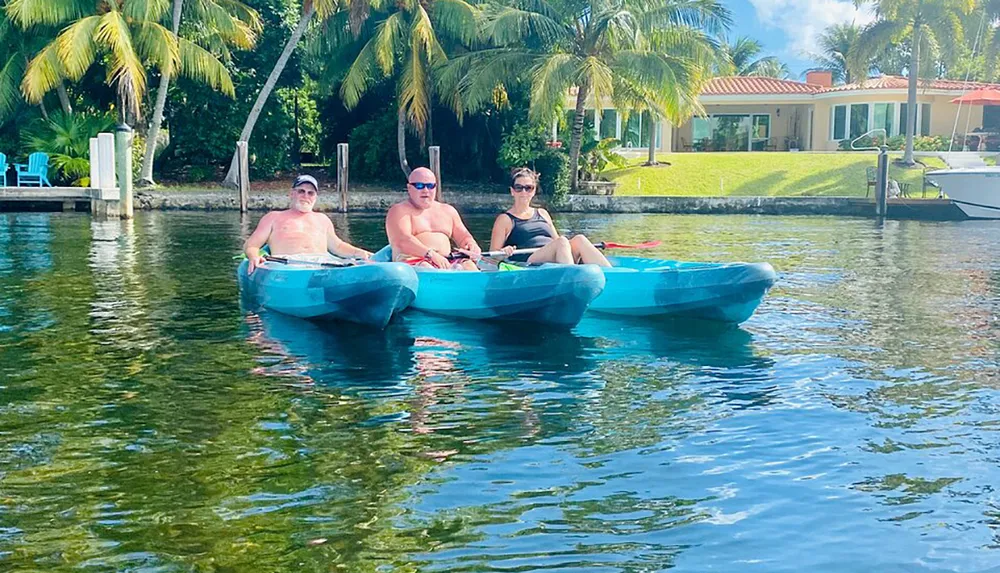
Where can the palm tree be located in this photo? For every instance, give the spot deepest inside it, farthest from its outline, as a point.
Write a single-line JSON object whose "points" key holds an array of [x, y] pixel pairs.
{"points": [[405, 45], [310, 8], [610, 50], [931, 26], [17, 46], [123, 35], [835, 43], [742, 58], [219, 24]]}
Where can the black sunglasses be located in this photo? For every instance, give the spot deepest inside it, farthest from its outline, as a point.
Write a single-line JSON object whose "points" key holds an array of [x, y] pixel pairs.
{"points": [[422, 185], [519, 187]]}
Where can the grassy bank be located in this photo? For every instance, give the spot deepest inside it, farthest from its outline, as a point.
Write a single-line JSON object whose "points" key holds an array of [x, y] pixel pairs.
{"points": [[760, 174]]}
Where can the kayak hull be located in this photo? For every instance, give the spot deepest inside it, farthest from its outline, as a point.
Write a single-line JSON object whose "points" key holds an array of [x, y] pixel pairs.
{"points": [[366, 294], [724, 292], [549, 294]]}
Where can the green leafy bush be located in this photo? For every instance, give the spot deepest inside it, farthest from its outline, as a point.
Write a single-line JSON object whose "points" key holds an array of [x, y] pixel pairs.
{"points": [[898, 143], [521, 146], [66, 139], [553, 165]]}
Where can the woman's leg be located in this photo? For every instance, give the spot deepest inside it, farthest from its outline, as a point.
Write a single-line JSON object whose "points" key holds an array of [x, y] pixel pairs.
{"points": [[558, 251], [584, 252]]}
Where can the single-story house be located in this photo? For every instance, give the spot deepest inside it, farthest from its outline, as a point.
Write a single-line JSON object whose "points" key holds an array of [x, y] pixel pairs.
{"points": [[768, 114]]}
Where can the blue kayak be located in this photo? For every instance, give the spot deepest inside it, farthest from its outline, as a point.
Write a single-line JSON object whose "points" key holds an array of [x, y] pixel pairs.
{"points": [[726, 292], [547, 294], [365, 293]]}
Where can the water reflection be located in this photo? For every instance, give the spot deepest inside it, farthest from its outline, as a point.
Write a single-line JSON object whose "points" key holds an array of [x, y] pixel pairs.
{"points": [[148, 422]]}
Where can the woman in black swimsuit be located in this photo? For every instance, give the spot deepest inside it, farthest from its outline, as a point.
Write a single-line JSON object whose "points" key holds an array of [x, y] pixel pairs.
{"points": [[526, 227]]}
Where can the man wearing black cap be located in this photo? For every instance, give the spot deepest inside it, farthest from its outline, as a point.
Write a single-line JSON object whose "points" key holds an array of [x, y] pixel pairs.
{"points": [[298, 230]]}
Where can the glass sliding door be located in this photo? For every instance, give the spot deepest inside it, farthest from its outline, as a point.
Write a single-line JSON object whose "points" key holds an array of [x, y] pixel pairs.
{"points": [[609, 123], [732, 133], [882, 118], [760, 132], [631, 131], [859, 119]]}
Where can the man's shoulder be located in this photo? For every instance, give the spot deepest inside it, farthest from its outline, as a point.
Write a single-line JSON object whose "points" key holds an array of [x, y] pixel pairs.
{"points": [[401, 208]]}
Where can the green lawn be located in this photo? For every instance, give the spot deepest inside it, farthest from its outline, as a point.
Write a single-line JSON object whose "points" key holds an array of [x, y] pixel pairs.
{"points": [[757, 174]]}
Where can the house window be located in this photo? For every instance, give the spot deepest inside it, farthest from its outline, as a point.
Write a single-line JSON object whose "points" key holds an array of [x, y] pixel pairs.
{"points": [[882, 117], [859, 119], [760, 132], [923, 119], [839, 122], [632, 130], [701, 128]]}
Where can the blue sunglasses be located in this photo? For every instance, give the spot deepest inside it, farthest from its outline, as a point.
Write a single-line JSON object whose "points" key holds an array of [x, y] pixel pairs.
{"points": [[421, 185]]}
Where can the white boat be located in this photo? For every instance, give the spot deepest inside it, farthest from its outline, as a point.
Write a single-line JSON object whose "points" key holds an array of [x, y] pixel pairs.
{"points": [[972, 186]]}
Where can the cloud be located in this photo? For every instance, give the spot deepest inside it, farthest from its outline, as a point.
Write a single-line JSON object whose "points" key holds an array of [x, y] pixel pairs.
{"points": [[803, 21]]}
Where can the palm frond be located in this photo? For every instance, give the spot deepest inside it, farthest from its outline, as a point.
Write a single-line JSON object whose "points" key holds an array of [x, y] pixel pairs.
{"points": [[414, 96], [551, 79], [124, 68], [362, 75], [510, 26], [387, 42], [75, 46], [201, 65], [27, 13], [456, 19], [145, 10], [10, 93], [872, 41], [41, 75], [158, 45]]}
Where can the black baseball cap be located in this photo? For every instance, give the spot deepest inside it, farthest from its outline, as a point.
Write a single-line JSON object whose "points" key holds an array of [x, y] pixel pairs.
{"points": [[306, 179]]}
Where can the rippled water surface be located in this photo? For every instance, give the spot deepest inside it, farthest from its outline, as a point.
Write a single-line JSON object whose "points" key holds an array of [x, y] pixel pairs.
{"points": [[147, 423]]}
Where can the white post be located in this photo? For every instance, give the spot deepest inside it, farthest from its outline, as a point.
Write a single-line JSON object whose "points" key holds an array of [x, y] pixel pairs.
{"points": [[95, 167], [106, 160], [123, 151]]}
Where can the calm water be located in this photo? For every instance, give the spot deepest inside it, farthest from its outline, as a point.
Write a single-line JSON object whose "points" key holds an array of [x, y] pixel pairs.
{"points": [[148, 424]]}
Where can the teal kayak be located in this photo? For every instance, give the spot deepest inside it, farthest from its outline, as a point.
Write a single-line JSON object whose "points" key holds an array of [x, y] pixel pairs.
{"points": [[547, 294], [366, 293], [725, 292]]}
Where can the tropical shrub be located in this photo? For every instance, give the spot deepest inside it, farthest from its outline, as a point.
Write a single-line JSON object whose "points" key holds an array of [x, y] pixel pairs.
{"points": [[66, 139], [553, 165], [521, 146], [898, 143]]}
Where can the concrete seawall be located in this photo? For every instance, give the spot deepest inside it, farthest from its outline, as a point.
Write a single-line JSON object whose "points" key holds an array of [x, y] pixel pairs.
{"points": [[379, 202]]}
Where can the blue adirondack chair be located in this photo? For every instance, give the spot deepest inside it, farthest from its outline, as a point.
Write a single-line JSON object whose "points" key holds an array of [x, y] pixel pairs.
{"points": [[35, 172], [3, 169]]}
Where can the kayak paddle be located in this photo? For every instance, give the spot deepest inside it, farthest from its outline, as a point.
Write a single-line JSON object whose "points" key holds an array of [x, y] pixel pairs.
{"points": [[610, 245], [287, 261], [494, 254]]}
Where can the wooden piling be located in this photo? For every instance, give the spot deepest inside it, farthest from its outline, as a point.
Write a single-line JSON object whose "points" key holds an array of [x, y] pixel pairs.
{"points": [[434, 155], [243, 173], [342, 173]]}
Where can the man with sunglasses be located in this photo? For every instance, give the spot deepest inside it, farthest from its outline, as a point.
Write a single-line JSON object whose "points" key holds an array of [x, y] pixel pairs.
{"points": [[421, 227], [298, 230]]}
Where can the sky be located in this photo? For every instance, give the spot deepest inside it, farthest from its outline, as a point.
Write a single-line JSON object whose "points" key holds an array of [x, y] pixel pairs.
{"points": [[788, 28]]}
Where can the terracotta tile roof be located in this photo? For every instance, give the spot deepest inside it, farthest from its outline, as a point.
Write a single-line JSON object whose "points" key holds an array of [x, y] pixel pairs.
{"points": [[900, 83], [740, 85]]}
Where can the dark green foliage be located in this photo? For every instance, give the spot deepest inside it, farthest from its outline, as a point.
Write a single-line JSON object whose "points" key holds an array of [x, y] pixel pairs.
{"points": [[66, 139], [205, 125], [373, 149], [898, 143], [521, 146], [553, 165]]}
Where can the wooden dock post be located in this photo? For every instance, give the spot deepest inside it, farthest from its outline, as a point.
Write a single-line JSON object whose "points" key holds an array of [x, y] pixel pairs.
{"points": [[243, 173], [342, 173], [882, 182], [434, 156], [123, 159]]}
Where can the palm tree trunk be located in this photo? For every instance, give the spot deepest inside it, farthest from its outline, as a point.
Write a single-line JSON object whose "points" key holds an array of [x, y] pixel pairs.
{"points": [[272, 80], [41, 107], [146, 171], [576, 135], [401, 140], [911, 93], [64, 98], [651, 159]]}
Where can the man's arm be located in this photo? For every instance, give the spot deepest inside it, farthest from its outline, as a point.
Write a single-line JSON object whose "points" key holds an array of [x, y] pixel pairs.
{"points": [[462, 237], [340, 247], [257, 240]]}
